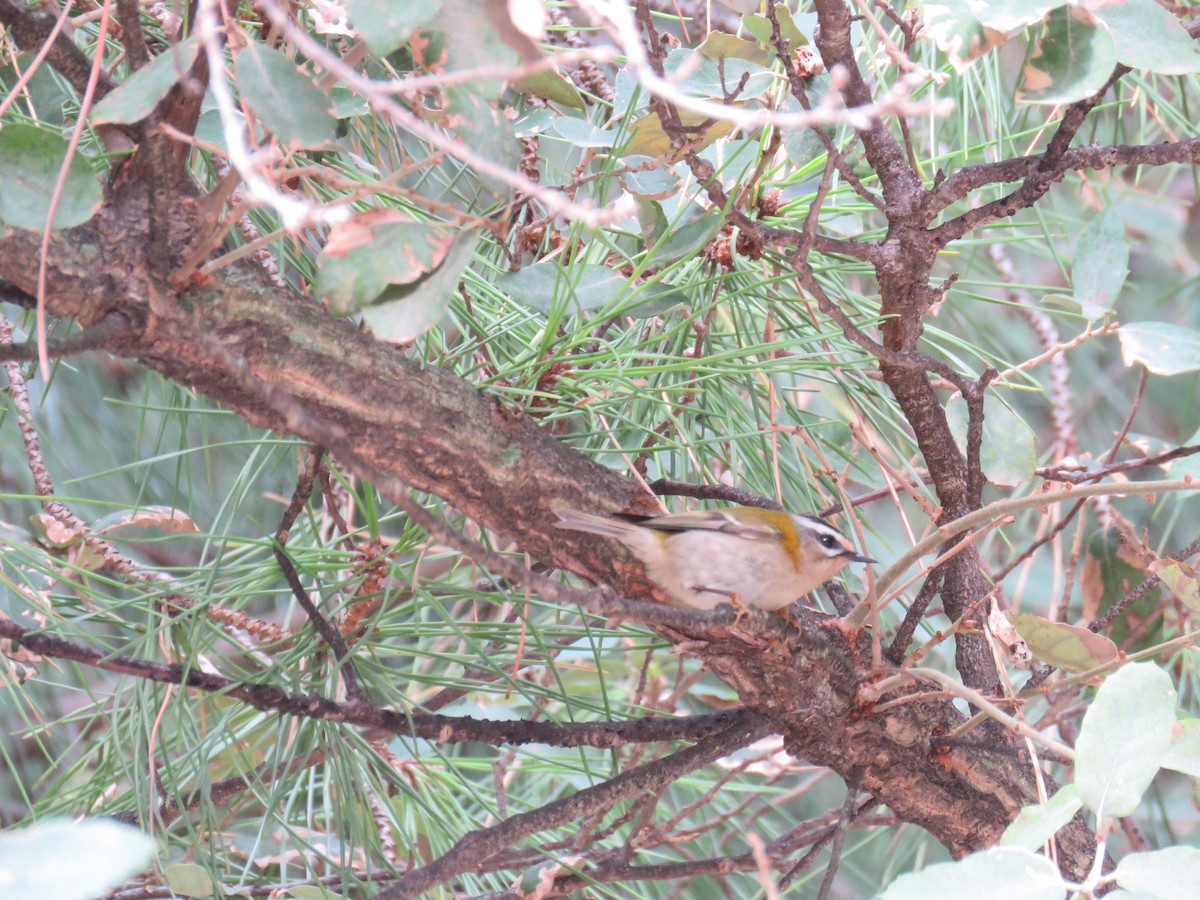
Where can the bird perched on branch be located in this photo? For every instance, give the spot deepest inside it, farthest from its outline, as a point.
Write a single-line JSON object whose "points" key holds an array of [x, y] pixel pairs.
{"points": [[743, 555]]}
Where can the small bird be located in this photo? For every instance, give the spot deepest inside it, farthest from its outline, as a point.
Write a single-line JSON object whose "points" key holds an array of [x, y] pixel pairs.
{"points": [[742, 555]]}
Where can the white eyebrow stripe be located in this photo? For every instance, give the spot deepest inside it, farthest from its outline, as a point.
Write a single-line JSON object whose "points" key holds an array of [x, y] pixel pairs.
{"points": [[822, 527], [819, 527]]}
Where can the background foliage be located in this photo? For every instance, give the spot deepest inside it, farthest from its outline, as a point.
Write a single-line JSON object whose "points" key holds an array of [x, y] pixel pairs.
{"points": [[679, 251]]}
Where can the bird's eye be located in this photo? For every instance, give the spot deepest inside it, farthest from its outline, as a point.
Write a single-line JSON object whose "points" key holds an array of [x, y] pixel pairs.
{"points": [[828, 541]]}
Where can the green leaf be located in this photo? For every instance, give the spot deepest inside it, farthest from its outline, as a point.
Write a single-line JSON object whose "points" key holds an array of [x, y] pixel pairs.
{"points": [[1110, 571], [30, 160], [803, 145], [373, 249], [1065, 646], [45, 96], [1036, 824], [1148, 37], [137, 97], [647, 137], [284, 99], [957, 32], [62, 860], [1172, 873], [1123, 738], [409, 310], [1071, 305], [189, 880], [1008, 453], [703, 77], [469, 38], [547, 286], [1072, 58], [1001, 873], [719, 45], [385, 24], [1182, 579], [1183, 753], [1187, 466], [653, 298], [760, 27], [483, 128], [211, 128], [686, 238], [652, 219], [583, 133], [1009, 15], [347, 104], [550, 86], [657, 183], [1101, 262], [312, 892], [1162, 347], [535, 120]]}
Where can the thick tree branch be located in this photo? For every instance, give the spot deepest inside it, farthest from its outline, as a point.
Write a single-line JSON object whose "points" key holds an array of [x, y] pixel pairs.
{"points": [[32, 29], [901, 187]]}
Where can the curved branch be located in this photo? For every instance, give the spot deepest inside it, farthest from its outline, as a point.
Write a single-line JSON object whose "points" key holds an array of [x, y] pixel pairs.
{"points": [[442, 729], [485, 842], [1049, 168], [1006, 171]]}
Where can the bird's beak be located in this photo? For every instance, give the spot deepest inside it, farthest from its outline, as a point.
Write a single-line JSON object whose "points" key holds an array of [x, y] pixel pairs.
{"points": [[858, 557]]}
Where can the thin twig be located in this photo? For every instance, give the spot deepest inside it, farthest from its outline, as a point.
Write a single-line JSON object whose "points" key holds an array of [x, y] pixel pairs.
{"points": [[114, 326], [442, 729], [899, 645], [1067, 476], [976, 699], [835, 848], [331, 635], [85, 105]]}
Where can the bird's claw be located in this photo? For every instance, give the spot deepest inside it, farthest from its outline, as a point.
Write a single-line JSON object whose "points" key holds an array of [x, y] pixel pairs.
{"points": [[785, 613], [744, 612]]}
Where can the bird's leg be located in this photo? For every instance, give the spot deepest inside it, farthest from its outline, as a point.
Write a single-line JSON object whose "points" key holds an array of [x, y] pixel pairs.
{"points": [[744, 612]]}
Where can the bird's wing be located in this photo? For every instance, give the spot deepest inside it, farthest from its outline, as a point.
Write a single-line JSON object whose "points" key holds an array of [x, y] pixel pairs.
{"points": [[710, 520]]}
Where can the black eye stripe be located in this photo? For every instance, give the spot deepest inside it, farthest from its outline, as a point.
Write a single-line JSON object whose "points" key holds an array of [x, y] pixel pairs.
{"points": [[825, 534]]}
